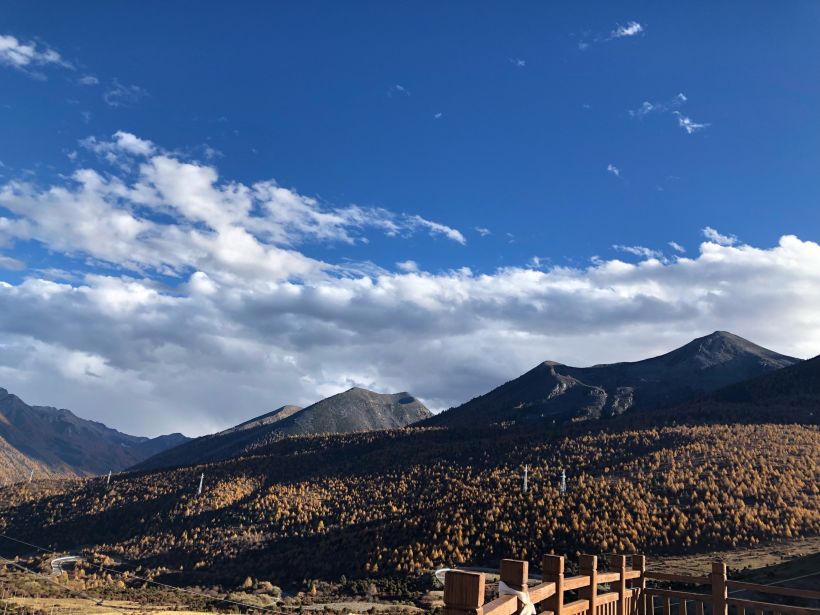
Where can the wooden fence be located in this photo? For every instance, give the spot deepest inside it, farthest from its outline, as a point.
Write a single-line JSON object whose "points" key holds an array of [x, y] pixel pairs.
{"points": [[620, 590]]}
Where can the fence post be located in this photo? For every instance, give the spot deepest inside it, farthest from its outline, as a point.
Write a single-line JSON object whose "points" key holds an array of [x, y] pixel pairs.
{"points": [[553, 571], [588, 566], [463, 593], [515, 573], [618, 563], [719, 590], [639, 563]]}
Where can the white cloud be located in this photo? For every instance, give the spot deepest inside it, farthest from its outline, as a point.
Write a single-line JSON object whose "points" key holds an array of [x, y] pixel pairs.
{"points": [[646, 253], [676, 247], [438, 116], [483, 232], [221, 351], [88, 80], [436, 228], [658, 107], [613, 169], [121, 150], [123, 95], [252, 321], [689, 125], [27, 56], [176, 215], [398, 89], [7, 262], [633, 28], [518, 62], [718, 238]]}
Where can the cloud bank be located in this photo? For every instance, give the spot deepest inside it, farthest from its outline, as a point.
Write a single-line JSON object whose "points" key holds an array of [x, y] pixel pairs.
{"points": [[197, 304]]}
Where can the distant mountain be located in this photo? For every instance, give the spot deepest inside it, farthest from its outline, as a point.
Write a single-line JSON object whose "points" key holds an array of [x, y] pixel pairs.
{"points": [[354, 410], [788, 395], [552, 391], [56, 442]]}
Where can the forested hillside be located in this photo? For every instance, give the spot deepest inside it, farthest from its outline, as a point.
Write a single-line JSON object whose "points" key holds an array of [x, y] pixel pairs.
{"points": [[401, 502]]}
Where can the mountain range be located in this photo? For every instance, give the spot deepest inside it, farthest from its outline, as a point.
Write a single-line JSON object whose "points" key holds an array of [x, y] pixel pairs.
{"points": [[555, 392], [354, 410], [56, 442], [713, 375]]}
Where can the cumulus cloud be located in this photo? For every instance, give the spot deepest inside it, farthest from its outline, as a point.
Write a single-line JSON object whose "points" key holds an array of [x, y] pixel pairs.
{"points": [[120, 149], [29, 57], [632, 28], [718, 238], [176, 216], [207, 302], [219, 352], [408, 266]]}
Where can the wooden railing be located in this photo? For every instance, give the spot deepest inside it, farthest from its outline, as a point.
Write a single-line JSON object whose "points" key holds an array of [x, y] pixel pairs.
{"points": [[626, 591]]}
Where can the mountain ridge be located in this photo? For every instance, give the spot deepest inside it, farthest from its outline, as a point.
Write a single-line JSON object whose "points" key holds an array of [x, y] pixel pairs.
{"points": [[554, 391], [354, 410], [55, 441]]}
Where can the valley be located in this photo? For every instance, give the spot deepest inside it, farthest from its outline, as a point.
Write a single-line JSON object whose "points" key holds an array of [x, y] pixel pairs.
{"points": [[368, 494]]}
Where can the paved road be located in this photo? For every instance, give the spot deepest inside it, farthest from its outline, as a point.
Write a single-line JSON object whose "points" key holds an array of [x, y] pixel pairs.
{"points": [[57, 564]]}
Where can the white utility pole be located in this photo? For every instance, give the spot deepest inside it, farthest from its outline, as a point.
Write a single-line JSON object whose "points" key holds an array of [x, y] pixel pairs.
{"points": [[201, 479], [526, 467], [108, 480], [563, 481], [31, 476]]}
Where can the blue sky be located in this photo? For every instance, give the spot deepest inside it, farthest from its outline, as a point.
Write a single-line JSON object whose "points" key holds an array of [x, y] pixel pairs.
{"points": [[516, 140]]}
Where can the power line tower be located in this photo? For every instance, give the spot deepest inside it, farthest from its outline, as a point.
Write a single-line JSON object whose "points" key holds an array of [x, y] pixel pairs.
{"points": [[563, 482], [201, 479]]}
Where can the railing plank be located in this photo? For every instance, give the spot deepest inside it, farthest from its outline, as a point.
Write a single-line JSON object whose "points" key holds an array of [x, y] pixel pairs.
{"points": [[771, 606], [573, 608], [678, 578], [503, 605], [607, 598], [576, 582], [674, 593], [772, 589], [542, 591]]}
